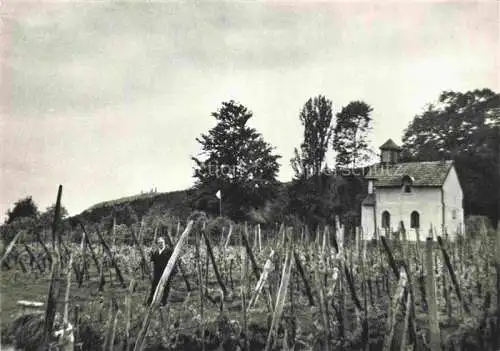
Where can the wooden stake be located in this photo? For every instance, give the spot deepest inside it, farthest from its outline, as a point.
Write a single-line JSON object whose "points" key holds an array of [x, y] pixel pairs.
{"points": [[243, 288], [390, 257], [453, 276], [139, 345], [304, 278], [322, 309], [498, 268], [54, 287], [113, 243], [406, 323], [202, 293], [214, 264], [144, 267], [102, 280], [260, 237], [105, 247], [228, 236], [393, 311], [128, 314], [68, 290], [435, 334], [10, 247], [180, 264], [89, 244]]}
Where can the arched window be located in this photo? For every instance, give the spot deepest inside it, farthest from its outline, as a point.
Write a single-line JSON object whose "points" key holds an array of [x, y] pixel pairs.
{"points": [[415, 220], [386, 219]]}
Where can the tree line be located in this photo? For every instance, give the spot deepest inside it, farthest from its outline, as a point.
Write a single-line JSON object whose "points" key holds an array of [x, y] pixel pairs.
{"points": [[238, 162], [239, 165], [236, 172]]}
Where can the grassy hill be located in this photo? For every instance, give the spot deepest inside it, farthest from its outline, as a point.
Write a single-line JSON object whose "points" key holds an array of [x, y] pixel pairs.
{"points": [[176, 202]]}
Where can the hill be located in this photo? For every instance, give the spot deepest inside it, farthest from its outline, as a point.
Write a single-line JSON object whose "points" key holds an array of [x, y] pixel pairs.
{"points": [[175, 202], [179, 204]]}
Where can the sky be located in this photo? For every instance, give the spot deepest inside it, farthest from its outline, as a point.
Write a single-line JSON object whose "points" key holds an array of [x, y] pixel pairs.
{"points": [[107, 98]]}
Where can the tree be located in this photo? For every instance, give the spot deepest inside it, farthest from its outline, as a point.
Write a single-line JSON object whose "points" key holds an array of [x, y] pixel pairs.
{"points": [[350, 140], [315, 200], [340, 196], [235, 160], [25, 207], [316, 118], [461, 126], [47, 217], [311, 198], [458, 124], [27, 225]]}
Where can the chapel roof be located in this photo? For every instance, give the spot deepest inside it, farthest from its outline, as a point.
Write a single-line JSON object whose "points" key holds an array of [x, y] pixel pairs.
{"points": [[423, 174], [390, 145], [369, 200]]}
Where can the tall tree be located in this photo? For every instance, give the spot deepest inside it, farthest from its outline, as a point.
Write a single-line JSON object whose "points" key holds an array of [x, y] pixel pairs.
{"points": [[311, 198], [316, 118], [461, 126], [25, 207], [350, 140], [237, 161]]}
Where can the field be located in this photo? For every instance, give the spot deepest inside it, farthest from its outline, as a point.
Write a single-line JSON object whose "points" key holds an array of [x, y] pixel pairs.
{"points": [[321, 291]]}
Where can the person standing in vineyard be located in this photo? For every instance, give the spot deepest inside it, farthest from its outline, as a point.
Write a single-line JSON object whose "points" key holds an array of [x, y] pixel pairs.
{"points": [[159, 260]]}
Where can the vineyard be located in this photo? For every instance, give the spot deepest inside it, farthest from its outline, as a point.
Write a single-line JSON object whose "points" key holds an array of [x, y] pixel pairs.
{"points": [[239, 287]]}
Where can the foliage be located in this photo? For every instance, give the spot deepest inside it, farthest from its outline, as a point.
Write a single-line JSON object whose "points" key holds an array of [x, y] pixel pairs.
{"points": [[218, 227], [318, 200], [311, 198], [125, 214], [122, 234], [25, 207], [478, 224], [351, 193], [459, 123], [26, 224], [47, 217], [350, 140], [315, 200], [237, 161], [34, 224], [175, 203], [461, 126], [316, 118]]}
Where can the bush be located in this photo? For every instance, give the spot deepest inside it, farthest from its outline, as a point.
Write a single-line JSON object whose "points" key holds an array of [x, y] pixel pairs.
{"points": [[27, 224], [217, 227], [477, 225]]}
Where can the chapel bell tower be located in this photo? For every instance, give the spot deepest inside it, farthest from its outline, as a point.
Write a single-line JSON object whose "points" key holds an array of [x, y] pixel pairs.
{"points": [[389, 152]]}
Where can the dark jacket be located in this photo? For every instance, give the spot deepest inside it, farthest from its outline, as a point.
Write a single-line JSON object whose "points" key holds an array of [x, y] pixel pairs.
{"points": [[160, 261]]}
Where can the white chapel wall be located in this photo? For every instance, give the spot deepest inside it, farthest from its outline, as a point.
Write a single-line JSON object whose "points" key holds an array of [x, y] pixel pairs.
{"points": [[368, 222], [453, 198], [427, 201]]}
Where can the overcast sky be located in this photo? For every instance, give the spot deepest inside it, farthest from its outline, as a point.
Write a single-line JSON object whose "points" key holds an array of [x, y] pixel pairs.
{"points": [[107, 98]]}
